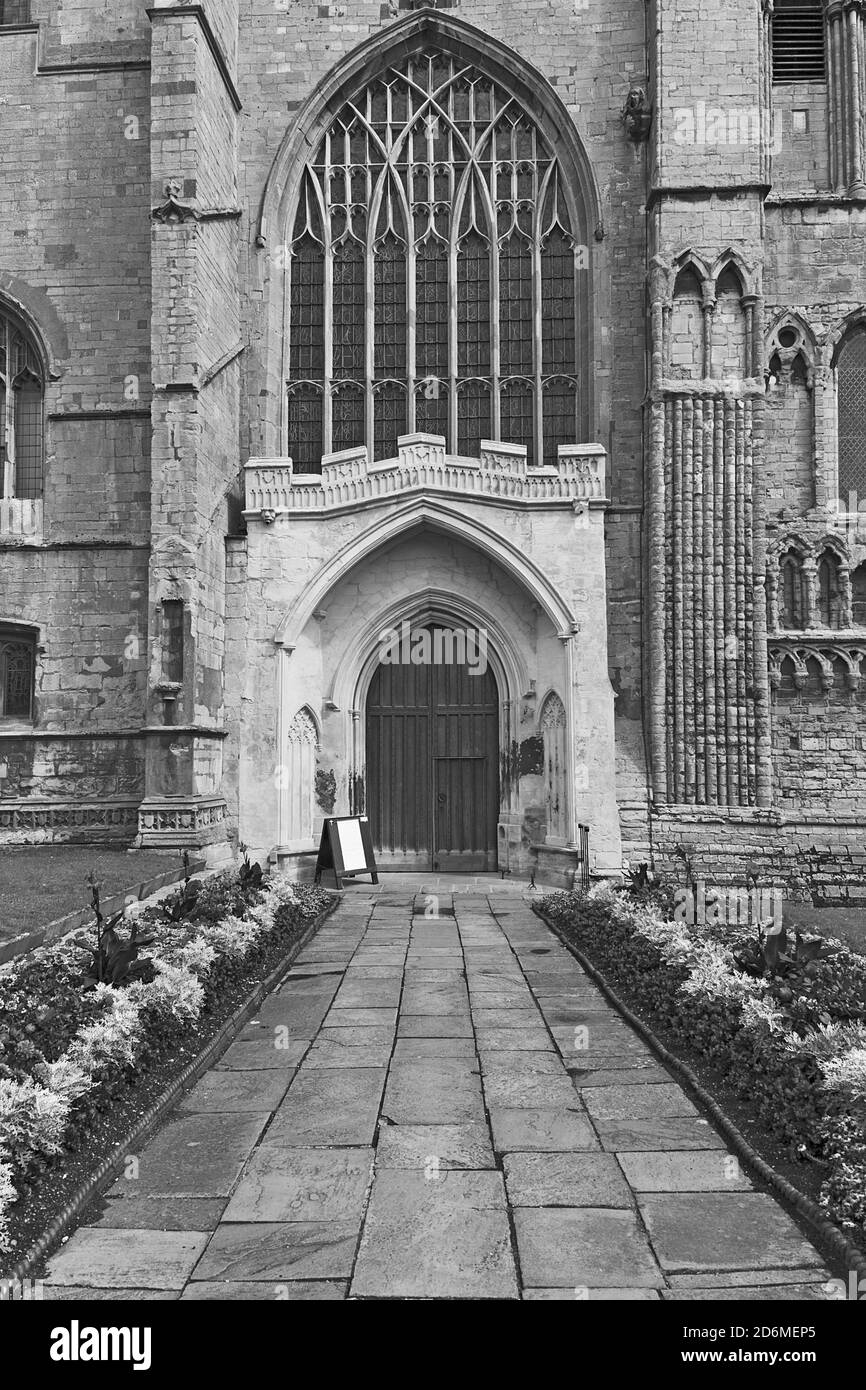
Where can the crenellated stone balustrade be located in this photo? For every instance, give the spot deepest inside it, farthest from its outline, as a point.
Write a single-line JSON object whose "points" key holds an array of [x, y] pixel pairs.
{"points": [[348, 479]]}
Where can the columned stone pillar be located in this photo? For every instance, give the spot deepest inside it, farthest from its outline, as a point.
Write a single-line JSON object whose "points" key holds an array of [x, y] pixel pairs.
{"points": [[846, 72], [708, 666]]}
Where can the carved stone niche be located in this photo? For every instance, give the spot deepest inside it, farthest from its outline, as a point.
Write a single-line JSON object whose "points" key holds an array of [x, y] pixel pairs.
{"points": [[637, 114]]}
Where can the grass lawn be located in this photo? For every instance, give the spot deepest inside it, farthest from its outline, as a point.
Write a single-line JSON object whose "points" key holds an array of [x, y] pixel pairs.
{"points": [[848, 923], [38, 884]]}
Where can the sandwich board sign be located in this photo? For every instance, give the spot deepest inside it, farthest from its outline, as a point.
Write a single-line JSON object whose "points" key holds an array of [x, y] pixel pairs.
{"points": [[346, 848]]}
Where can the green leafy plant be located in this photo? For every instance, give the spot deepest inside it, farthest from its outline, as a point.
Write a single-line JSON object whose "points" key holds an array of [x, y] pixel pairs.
{"points": [[114, 961], [250, 874]]}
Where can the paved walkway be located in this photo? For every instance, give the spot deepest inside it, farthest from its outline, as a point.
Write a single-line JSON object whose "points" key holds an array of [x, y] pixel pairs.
{"points": [[437, 1107]]}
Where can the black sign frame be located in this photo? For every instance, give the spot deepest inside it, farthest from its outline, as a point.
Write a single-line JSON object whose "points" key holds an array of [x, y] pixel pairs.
{"points": [[331, 850]]}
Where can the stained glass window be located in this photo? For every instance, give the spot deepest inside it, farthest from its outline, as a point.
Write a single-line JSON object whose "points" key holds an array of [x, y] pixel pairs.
{"points": [[17, 653], [21, 413], [434, 272]]}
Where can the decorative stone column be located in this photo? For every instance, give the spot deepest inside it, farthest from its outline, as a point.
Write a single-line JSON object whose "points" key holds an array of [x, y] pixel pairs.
{"points": [[847, 96], [709, 689]]}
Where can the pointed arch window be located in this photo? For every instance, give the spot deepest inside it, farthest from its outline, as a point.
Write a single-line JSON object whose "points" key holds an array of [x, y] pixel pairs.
{"points": [[435, 273], [21, 411], [792, 596], [17, 673], [851, 409]]}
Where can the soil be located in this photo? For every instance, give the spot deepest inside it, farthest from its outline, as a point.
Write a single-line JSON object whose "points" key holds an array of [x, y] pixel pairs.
{"points": [[32, 1214]]}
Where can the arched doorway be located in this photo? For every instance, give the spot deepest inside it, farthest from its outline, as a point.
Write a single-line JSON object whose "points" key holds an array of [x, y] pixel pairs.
{"points": [[432, 737]]}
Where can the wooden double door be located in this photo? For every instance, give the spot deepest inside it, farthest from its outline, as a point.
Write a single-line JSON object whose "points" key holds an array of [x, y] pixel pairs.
{"points": [[433, 766]]}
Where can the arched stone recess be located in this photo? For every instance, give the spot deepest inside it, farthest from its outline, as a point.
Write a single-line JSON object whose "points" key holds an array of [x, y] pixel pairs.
{"points": [[790, 447], [457, 41], [328, 590], [298, 776]]}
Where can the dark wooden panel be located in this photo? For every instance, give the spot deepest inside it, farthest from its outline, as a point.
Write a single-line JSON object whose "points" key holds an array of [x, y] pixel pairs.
{"points": [[432, 767]]}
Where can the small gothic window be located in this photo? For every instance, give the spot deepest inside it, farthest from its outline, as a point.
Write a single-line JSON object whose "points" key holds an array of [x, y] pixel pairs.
{"points": [[434, 273], [799, 51], [172, 640], [829, 591], [17, 666], [792, 609], [858, 596], [851, 396], [553, 730], [21, 395]]}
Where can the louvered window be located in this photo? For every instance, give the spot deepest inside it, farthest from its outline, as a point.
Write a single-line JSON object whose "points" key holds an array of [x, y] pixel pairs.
{"points": [[799, 52]]}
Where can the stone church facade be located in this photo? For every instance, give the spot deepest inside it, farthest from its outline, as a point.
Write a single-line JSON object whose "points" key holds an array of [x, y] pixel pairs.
{"points": [[534, 331]]}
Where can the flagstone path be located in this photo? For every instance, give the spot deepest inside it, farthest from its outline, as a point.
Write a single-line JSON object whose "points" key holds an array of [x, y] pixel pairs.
{"points": [[436, 1107]]}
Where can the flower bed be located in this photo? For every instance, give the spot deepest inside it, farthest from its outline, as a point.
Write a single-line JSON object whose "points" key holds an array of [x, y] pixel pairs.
{"points": [[788, 1034], [68, 1049]]}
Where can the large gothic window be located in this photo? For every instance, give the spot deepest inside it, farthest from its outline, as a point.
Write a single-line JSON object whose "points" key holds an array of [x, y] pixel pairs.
{"points": [[434, 274], [21, 391]]}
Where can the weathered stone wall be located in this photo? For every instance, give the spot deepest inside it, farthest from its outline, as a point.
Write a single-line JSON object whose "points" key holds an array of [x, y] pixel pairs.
{"points": [[74, 234]]}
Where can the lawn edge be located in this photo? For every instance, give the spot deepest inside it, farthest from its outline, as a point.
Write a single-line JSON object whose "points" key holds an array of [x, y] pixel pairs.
{"points": [[19, 945], [830, 1239], [143, 1129]]}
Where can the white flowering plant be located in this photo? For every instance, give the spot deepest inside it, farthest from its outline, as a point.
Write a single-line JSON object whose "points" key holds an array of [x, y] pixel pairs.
{"points": [[66, 1049], [789, 1035]]}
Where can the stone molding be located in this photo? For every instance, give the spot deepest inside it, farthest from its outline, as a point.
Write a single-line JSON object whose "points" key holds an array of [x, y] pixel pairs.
{"points": [[501, 475]]}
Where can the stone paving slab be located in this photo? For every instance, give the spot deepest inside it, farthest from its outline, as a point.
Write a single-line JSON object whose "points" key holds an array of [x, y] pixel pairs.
{"points": [[280, 1250], [222, 1092], [594, 1295], [541, 1131], [107, 1258], [565, 1180], [194, 1156], [708, 1171], [72, 1293], [329, 1105], [162, 1213], [433, 1090], [643, 1102], [674, 1132], [446, 1238], [577, 1246], [714, 1230], [307, 1291], [322, 1185], [437, 1109], [432, 1146]]}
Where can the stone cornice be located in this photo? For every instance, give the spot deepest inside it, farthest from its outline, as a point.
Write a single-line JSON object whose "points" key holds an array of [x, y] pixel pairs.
{"points": [[501, 476]]}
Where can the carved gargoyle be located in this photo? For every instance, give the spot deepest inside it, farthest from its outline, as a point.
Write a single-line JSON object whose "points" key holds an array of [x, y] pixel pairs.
{"points": [[175, 208], [637, 114]]}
